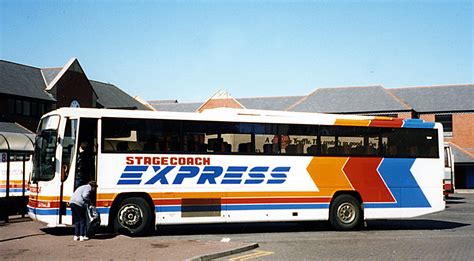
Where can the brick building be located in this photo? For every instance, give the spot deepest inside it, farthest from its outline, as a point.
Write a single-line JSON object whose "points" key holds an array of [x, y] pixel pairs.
{"points": [[451, 105], [27, 92]]}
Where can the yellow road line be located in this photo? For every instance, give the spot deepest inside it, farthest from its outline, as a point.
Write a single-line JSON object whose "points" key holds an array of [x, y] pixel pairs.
{"points": [[251, 256]]}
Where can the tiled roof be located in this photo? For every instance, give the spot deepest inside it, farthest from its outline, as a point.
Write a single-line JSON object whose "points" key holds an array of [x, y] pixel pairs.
{"points": [[22, 80], [449, 98], [362, 100], [461, 155], [110, 96], [153, 102], [350, 100], [221, 99], [258, 103], [50, 73], [177, 107], [270, 103]]}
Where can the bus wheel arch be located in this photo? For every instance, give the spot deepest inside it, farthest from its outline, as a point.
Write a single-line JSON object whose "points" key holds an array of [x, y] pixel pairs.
{"points": [[346, 211], [132, 214]]}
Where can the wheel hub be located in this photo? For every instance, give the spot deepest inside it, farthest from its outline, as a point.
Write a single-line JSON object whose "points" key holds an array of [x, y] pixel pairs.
{"points": [[346, 213], [130, 215]]}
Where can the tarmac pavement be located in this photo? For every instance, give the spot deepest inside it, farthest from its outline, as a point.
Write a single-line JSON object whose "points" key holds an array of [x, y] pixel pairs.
{"points": [[23, 239]]}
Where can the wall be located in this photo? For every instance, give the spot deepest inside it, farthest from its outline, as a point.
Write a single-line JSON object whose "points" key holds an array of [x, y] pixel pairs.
{"points": [[74, 86], [427, 117], [220, 103], [404, 115], [463, 131]]}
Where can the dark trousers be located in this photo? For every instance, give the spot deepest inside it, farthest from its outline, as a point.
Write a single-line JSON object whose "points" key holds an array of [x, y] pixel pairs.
{"points": [[79, 219]]}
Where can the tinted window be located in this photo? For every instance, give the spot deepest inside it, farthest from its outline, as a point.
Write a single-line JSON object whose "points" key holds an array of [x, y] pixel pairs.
{"points": [[408, 143], [136, 135], [218, 137], [173, 136]]}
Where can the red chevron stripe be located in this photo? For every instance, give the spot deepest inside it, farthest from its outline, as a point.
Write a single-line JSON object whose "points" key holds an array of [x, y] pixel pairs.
{"points": [[295, 200], [275, 200], [395, 122], [13, 186], [363, 175]]}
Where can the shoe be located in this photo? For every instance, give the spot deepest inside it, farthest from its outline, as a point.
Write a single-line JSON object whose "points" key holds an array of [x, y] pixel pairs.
{"points": [[81, 238], [76, 238]]}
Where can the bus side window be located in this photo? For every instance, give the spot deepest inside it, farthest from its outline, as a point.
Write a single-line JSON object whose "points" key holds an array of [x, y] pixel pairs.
{"points": [[226, 147], [267, 148], [108, 146], [392, 150], [135, 146], [150, 146], [324, 149], [245, 147], [312, 150], [122, 146], [215, 144]]}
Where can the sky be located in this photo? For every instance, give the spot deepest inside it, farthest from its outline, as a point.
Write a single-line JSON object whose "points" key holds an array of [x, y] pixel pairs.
{"points": [[188, 50]]}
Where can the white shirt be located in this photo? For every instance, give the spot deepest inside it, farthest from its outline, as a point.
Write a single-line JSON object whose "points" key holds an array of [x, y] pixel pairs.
{"points": [[81, 195]]}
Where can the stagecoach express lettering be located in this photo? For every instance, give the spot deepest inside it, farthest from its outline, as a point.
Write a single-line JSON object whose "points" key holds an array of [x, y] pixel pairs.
{"points": [[144, 170]]}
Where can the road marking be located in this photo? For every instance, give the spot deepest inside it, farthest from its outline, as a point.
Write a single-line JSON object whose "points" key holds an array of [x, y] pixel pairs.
{"points": [[251, 256]]}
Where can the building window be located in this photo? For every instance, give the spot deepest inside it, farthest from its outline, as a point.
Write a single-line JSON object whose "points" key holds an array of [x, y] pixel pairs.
{"points": [[34, 109], [447, 121], [41, 109], [26, 108], [11, 106], [19, 107]]}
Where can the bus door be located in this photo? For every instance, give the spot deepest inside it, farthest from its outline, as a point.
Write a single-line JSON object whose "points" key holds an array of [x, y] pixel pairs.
{"points": [[448, 182], [77, 159], [86, 159], [68, 145]]}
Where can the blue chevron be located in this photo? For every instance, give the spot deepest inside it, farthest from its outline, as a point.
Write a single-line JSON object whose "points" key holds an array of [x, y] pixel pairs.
{"points": [[417, 123], [402, 184]]}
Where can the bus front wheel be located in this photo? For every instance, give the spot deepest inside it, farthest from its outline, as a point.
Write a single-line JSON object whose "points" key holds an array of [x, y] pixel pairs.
{"points": [[133, 217], [345, 213]]}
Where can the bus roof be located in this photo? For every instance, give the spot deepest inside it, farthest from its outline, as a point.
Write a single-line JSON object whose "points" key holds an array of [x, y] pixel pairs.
{"points": [[246, 115]]}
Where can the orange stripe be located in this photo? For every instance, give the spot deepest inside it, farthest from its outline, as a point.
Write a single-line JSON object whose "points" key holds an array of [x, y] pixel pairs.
{"points": [[328, 175], [48, 198], [383, 118], [250, 194], [14, 182], [13, 186], [347, 122]]}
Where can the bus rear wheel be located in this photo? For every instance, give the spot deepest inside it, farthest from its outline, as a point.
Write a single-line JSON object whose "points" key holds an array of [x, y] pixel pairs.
{"points": [[345, 213], [133, 217]]}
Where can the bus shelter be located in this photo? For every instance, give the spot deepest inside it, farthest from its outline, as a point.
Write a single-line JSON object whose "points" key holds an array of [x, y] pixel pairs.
{"points": [[16, 151]]}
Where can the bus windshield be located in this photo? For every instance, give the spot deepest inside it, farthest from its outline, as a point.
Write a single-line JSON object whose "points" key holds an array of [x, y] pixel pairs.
{"points": [[45, 149]]}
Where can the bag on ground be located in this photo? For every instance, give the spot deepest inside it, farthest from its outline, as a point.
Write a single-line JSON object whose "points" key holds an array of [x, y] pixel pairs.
{"points": [[92, 220]]}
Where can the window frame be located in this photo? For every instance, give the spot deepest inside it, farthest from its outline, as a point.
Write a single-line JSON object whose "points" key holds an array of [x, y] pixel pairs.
{"points": [[447, 121]]}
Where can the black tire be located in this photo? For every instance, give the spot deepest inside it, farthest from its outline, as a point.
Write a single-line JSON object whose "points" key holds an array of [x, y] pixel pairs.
{"points": [[345, 213], [134, 217]]}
